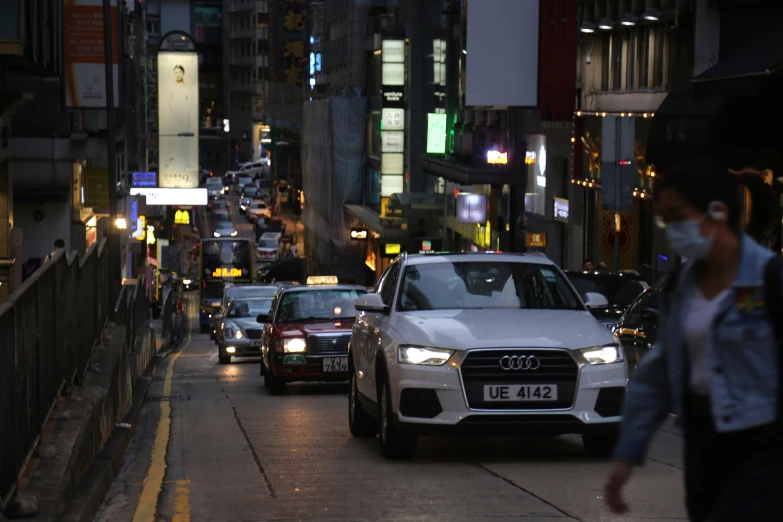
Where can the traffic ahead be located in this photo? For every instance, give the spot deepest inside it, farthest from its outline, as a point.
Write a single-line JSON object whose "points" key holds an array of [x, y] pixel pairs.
{"points": [[294, 408]]}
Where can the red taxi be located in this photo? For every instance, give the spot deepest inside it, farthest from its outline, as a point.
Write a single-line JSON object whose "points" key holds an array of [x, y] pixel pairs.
{"points": [[305, 336]]}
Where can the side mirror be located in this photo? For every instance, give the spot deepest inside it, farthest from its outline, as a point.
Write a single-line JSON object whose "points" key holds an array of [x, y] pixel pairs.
{"points": [[649, 315], [595, 300], [262, 318], [371, 303]]}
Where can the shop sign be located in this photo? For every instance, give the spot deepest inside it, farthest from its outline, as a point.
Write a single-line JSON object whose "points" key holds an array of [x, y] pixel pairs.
{"points": [[182, 217], [96, 188], [144, 179], [358, 233], [392, 249], [393, 74], [535, 239], [226, 272], [172, 196], [392, 163], [134, 214], [392, 141], [436, 133], [393, 97], [392, 119], [392, 184], [393, 51], [561, 210], [496, 157]]}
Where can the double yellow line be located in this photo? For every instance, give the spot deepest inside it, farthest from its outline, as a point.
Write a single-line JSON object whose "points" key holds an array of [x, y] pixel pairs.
{"points": [[146, 509]]}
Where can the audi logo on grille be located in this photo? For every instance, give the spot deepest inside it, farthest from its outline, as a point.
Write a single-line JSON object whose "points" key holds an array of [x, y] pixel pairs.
{"points": [[519, 362]]}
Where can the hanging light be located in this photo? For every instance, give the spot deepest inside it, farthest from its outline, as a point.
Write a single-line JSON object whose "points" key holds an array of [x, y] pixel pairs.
{"points": [[628, 19], [587, 27], [651, 14], [606, 24]]}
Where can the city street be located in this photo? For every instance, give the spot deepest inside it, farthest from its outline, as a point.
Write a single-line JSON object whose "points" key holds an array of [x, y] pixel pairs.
{"points": [[212, 444]]}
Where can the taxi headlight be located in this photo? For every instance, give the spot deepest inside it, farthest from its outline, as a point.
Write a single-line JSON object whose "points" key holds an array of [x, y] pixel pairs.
{"points": [[606, 354], [294, 345], [423, 356]]}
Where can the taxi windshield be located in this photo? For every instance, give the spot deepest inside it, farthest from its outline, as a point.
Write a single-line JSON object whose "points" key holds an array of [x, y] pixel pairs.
{"points": [[318, 305], [249, 307]]}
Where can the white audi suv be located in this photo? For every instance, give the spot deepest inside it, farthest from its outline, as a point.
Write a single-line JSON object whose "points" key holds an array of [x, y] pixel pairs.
{"points": [[481, 344]]}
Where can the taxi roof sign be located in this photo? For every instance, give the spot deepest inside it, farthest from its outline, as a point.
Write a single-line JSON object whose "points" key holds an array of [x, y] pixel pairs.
{"points": [[322, 280]]}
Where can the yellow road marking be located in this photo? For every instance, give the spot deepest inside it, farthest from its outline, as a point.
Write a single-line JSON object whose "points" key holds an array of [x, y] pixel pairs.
{"points": [[182, 502], [153, 482]]}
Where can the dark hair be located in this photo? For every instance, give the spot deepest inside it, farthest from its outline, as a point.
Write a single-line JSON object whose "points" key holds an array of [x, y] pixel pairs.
{"points": [[180, 68], [59, 243], [701, 181]]}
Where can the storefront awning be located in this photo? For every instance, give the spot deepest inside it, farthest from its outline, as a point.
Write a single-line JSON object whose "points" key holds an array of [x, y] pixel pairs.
{"points": [[760, 58], [683, 126], [458, 172], [372, 220]]}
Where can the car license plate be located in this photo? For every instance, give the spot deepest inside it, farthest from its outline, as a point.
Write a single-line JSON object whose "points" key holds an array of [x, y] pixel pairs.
{"points": [[520, 392], [335, 364], [256, 344]]}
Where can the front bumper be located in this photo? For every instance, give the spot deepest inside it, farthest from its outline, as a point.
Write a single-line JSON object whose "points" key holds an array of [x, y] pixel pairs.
{"points": [[312, 369], [439, 399], [241, 347]]}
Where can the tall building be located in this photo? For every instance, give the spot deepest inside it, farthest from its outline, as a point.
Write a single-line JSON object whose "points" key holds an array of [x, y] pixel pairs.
{"points": [[54, 164]]}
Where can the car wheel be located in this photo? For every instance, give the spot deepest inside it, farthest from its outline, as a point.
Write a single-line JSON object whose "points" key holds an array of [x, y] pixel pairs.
{"points": [[204, 329], [276, 386], [599, 445], [360, 422], [394, 444]]}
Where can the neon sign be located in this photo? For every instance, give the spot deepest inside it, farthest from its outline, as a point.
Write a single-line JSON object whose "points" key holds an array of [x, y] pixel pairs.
{"points": [[495, 157]]}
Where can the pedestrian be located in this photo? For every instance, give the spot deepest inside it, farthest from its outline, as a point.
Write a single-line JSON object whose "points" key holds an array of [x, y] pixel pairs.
{"points": [[717, 362], [59, 246], [589, 266]]}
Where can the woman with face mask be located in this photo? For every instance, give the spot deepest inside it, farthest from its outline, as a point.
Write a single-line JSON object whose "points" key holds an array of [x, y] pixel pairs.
{"points": [[716, 364]]}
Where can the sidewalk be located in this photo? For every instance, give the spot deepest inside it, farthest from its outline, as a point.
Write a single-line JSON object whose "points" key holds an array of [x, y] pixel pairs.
{"points": [[287, 215]]}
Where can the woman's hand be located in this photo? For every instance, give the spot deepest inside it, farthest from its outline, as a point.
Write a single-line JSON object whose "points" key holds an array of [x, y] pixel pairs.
{"points": [[613, 489]]}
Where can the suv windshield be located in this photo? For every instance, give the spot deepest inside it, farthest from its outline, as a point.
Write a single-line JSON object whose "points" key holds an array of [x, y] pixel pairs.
{"points": [[619, 290], [248, 307], [485, 284], [318, 305]]}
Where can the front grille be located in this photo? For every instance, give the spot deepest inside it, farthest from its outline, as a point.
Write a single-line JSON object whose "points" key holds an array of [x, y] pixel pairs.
{"points": [[482, 367], [328, 344], [253, 334]]}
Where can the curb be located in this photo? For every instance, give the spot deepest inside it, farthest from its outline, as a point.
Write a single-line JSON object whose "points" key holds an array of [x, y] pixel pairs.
{"points": [[90, 492]]}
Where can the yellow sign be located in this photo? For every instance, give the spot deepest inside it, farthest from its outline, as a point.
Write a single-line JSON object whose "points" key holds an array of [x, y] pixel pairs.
{"points": [[182, 217], [96, 188], [530, 157], [497, 158], [141, 229], [151, 235], [535, 240], [294, 48], [393, 249], [293, 21], [226, 272], [322, 280]]}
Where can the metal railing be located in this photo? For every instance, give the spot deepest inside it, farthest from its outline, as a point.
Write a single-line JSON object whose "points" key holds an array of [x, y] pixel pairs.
{"points": [[132, 309], [48, 328]]}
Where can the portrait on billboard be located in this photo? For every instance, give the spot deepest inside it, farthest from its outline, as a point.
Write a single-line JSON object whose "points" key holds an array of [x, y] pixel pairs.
{"points": [[178, 119]]}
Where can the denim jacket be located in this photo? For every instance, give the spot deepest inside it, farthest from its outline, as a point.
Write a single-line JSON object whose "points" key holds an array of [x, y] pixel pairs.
{"points": [[743, 361]]}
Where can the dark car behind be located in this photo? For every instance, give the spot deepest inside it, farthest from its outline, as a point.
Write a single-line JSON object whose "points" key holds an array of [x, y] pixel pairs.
{"points": [[619, 288]]}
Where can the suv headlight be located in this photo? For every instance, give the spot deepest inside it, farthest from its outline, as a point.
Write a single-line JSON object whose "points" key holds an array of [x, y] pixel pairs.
{"points": [[606, 354], [238, 334], [423, 356], [293, 345], [228, 332]]}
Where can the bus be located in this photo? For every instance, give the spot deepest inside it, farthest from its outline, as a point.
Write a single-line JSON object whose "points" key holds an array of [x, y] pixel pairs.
{"points": [[225, 260]]}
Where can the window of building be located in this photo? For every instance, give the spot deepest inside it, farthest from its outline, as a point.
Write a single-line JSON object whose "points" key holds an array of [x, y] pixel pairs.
{"points": [[153, 27], [262, 47], [262, 19]]}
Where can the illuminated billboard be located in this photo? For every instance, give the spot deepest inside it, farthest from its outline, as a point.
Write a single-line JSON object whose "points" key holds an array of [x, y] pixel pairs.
{"points": [[184, 197], [178, 119]]}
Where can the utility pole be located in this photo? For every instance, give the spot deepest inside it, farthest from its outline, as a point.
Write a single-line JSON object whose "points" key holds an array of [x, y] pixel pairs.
{"points": [[114, 237]]}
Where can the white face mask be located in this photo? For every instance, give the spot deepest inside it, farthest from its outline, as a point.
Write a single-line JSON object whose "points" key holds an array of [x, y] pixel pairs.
{"points": [[686, 239]]}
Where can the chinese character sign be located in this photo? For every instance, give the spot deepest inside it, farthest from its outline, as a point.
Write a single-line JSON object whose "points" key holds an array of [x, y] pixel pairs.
{"points": [[289, 42]]}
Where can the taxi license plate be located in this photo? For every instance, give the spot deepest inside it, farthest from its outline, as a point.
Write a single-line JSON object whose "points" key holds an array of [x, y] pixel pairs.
{"points": [[520, 392], [255, 344], [335, 364]]}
